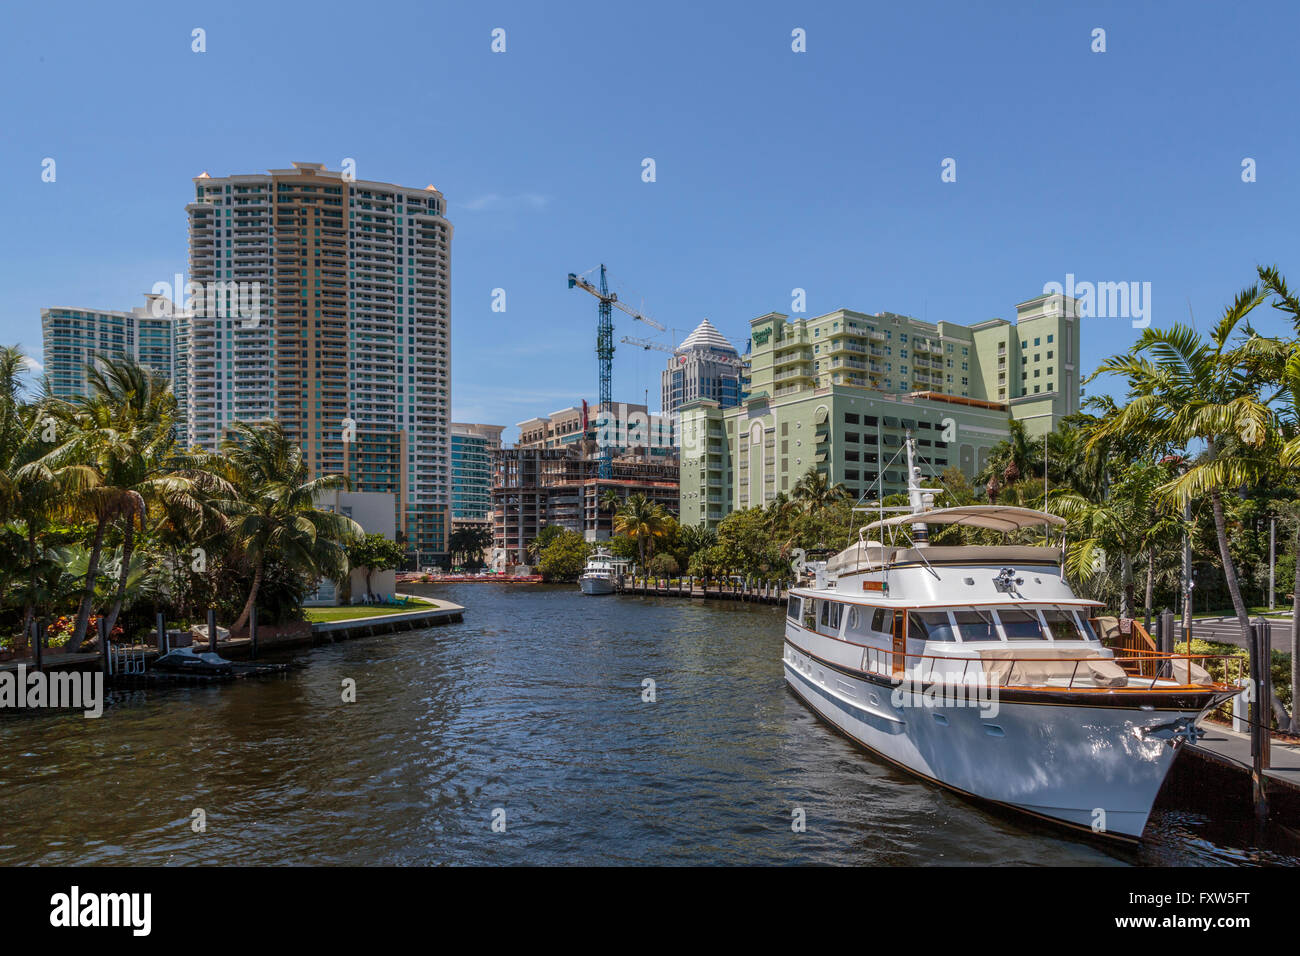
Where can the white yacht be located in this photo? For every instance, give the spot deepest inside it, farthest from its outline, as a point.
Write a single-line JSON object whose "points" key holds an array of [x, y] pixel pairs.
{"points": [[601, 573], [977, 668]]}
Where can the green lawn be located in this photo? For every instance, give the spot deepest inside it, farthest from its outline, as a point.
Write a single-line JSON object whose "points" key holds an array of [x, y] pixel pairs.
{"points": [[322, 615], [1254, 611]]}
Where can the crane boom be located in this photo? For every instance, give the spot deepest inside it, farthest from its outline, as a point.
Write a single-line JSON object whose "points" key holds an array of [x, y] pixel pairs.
{"points": [[613, 299], [605, 349], [650, 344]]}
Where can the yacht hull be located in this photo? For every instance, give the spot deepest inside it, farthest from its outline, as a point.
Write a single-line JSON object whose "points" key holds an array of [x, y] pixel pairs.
{"points": [[1095, 767], [596, 586]]}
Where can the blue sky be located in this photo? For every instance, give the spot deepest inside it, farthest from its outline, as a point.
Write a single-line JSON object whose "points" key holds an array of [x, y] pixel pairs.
{"points": [[775, 170]]}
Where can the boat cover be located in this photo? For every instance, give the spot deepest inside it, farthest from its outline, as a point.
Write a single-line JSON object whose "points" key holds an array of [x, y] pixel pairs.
{"points": [[872, 556], [1006, 666]]}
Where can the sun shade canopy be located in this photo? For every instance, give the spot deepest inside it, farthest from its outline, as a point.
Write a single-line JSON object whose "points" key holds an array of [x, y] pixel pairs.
{"points": [[994, 517]]}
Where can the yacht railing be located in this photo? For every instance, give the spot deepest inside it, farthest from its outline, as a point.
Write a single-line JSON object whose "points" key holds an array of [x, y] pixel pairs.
{"points": [[1154, 671]]}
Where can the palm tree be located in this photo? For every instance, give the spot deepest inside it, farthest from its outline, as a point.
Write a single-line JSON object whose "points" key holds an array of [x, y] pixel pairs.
{"points": [[814, 491], [469, 543], [1132, 520], [1287, 435], [1010, 460], [108, 442], [696, 538], [273, 512], [123, 432], [642, 519], [1192, 391], [780, 515], [31, 492]]}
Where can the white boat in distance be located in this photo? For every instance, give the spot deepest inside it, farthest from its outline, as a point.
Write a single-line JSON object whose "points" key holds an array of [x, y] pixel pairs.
{"points": [[977, 668], [601, 573]]}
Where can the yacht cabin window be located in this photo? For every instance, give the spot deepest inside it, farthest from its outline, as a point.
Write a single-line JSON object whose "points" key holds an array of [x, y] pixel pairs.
{"points": [[1062, 625], [930, 626], [792, 611], [830, 617], [878, 622], [1021, 625], [976, 626]]}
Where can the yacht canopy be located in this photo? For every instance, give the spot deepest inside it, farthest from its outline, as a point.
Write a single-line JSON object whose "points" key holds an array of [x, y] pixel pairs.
{"points": [[994, 517]]}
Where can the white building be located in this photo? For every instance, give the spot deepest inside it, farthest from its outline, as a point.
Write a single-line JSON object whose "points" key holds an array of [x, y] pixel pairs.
{"points": [[374, 512]]}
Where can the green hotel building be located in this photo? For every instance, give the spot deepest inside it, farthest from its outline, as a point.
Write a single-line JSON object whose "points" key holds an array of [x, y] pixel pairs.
{"points": [[839, 392]]}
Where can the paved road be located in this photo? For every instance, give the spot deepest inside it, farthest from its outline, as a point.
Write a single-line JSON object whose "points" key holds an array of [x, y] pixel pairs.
{"points": [[1226, 630]]}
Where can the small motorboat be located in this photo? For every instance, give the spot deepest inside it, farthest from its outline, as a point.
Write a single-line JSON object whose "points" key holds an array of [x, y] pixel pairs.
{"points": [[183, 660]]}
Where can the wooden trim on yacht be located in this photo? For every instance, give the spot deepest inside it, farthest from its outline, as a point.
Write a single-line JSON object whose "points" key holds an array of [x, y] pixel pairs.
{"points": [[1180, 698]]}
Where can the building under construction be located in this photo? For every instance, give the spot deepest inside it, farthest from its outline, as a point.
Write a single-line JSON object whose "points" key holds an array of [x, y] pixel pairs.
{"points": [[535, 486]]}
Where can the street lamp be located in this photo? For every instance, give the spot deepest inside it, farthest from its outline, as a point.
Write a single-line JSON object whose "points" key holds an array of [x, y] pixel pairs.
{"points": [[1272, 561], [1179, 462], [1046, 432]]}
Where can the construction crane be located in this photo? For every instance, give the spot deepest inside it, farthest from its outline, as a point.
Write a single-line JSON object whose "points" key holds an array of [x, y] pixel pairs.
{"points": [[605, 348], [659, 347]]}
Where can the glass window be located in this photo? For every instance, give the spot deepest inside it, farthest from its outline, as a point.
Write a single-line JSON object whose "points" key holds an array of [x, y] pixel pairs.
{"points": [[1021, 625], [1086, 626], [793, 612], [1060, 624], [929, 626], [976, 626], [878, 622]]}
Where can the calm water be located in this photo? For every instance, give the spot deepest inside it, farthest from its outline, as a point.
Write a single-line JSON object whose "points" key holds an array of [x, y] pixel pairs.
{"points": [[533, 705]]}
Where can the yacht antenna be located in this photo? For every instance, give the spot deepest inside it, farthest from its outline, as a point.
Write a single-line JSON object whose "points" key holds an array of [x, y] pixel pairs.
{"points": [[915, 497]]}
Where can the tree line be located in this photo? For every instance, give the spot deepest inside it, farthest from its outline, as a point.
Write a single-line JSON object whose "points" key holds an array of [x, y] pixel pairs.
{"points": [[105, 515]]}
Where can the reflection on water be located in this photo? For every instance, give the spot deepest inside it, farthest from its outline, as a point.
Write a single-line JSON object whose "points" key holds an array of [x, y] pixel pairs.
{"points": [[532, 705]]}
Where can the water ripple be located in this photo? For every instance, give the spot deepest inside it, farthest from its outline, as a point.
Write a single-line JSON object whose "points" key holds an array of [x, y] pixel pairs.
{"points": [[532, 707]]}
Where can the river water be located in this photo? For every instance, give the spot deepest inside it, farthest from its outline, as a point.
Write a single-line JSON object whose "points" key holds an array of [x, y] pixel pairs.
{"points": [[529, 714]]}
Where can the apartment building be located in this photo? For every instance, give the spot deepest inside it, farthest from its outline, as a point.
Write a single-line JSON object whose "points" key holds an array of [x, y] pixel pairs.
{"points": [[472, 451], [156, 335], [838, 393], [349, 345]]}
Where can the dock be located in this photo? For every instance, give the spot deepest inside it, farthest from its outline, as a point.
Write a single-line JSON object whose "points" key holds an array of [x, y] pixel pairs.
{"points": [[1230, 747], [132, 661], [758, 592], [1223, 756]]}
